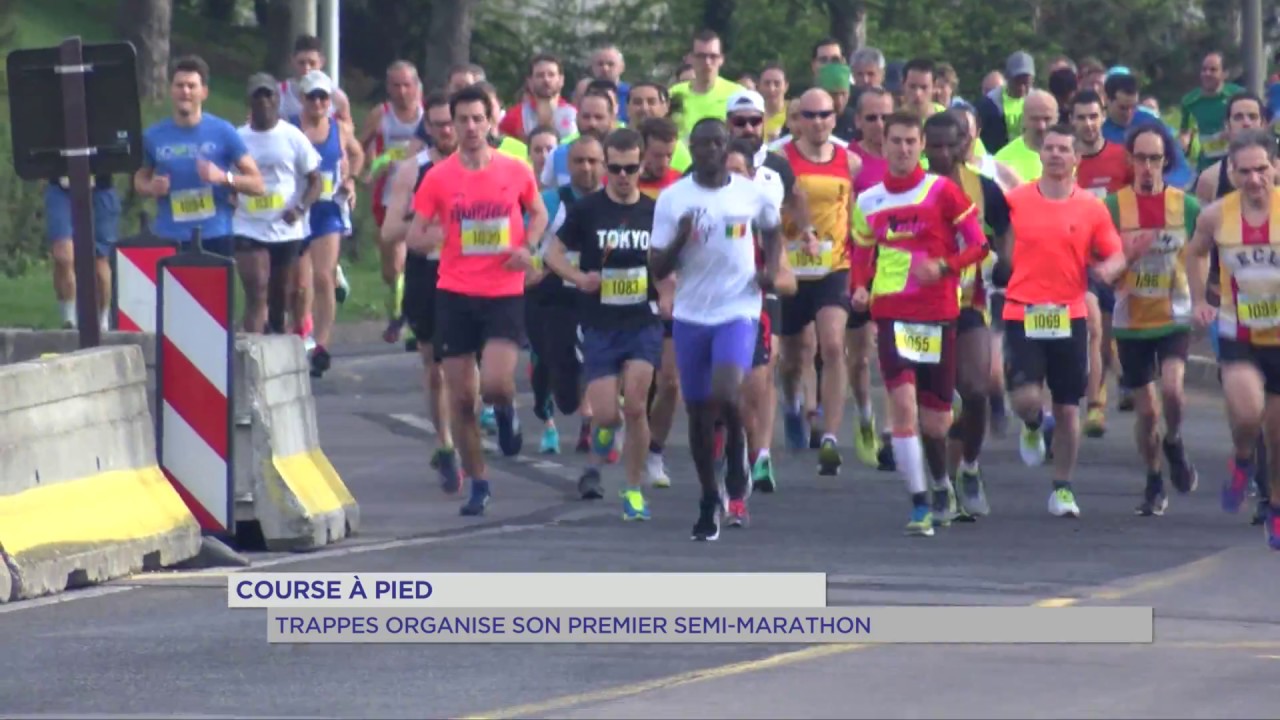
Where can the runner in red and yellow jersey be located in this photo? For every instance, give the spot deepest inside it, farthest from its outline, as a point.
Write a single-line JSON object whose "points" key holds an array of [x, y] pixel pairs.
{"points": [[819, 256], [1059, 230], [1244, 227], [946, 146], [916, 233], [472, 207], [1152, 318]]}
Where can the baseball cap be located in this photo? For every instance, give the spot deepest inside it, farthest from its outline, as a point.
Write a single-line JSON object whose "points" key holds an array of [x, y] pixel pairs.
{"points": [[262, 81], [745, 100], [1119, 70], [315, 80], [834, 77], [1019, 63]]}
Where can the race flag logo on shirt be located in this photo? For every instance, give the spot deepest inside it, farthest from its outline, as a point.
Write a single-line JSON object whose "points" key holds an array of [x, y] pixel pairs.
{"points": [[735, 231]]}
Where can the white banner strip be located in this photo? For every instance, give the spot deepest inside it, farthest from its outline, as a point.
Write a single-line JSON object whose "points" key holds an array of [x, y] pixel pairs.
{"points": [[526, 590], [918, 625]]}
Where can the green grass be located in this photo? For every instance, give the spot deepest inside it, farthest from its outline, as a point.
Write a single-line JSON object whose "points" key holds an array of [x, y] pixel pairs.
{"points": [[233, 54]]}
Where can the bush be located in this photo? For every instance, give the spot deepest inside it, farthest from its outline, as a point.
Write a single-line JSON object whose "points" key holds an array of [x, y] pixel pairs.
{"points": [[22, 226]]}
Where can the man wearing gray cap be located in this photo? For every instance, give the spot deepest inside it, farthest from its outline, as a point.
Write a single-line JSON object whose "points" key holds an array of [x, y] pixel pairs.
{"points": [[269, 229], [1000, 110]]}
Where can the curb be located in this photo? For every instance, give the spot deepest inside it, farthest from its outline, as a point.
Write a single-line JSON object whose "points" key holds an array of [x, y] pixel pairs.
{"points": [[359, 332]]}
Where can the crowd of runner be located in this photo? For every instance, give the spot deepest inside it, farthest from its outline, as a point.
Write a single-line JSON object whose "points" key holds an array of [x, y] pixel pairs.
{"points": [[740, 248]]}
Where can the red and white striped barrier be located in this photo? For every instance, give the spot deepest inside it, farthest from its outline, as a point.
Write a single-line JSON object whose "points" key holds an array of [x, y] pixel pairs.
{"points": [[194, 351], [134, 264]]}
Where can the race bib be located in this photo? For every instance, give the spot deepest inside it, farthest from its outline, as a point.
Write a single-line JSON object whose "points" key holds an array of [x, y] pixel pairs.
{"points": [[536, 262], [486, 237], [918, 342], [1214, 145], [1047, 322], [1146, 283], [574, 258], [398, 151], [264, 204], [1258, 313], [328, 183], [624, 286], [192, 205], [807, 266]]}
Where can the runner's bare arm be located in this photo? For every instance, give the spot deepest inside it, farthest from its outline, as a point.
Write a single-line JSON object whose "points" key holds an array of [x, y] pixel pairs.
{"points": [[369, 132], [536, 225], [342, 107], [399, 209], [663, 262], [1006, 177], [1198, 252], [248, 179], [785, 284], [144, 182], [558, 262], [1207, 184], [354, 151]]}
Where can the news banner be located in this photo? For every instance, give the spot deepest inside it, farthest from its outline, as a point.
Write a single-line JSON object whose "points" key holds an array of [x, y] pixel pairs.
{"points": [[768, 608]]}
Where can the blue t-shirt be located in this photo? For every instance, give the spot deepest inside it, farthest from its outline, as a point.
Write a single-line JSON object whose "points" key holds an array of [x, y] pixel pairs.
{"points": [[1273, 100], [1179, 174], [192, 203], [624, 92]]}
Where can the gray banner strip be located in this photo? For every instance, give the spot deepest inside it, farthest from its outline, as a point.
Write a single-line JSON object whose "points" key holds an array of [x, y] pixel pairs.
{"points": [[983, 625]]}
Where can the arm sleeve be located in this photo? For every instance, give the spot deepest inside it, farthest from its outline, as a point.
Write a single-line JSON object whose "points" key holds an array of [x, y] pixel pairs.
{"points": [[425, 203], [862, 264], [664, 224], [962, 214], [1106, 239]]}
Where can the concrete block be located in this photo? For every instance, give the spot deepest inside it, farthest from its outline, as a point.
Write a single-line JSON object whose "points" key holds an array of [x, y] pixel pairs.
{"points": [[20, 345], [82, 499], [297, 496]]}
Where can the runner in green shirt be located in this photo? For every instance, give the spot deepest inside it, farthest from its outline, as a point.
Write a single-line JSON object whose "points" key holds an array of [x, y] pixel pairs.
{"points": [[1204, 113], [707, 94]]}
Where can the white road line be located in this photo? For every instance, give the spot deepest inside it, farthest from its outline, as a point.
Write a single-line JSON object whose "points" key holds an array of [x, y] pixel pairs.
{"points": [[70, 596]]}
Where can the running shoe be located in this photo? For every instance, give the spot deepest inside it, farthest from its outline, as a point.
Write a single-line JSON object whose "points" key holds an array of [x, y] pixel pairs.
{"points": [[1095, 422], [1260, 512], [796, 430], [762, 477], [550, 441], [944, 506], [510, 438], [829, 460], [738, 516], [633, 505], [487, 422], [320, 361], [1125, 403], [1273, 528], [708, 526], [584, 438], [589, 485], [921, 522], [1237, 484], [1032, 446], [884, 459], [479, 499], [656, 469], [391, 333], [445, 462], [972, 493], [866, 442], [1154, 501], [1062, 503], [1182, 473]]}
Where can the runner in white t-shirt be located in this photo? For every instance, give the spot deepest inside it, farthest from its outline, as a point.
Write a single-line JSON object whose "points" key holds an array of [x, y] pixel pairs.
{"points": [[270, 228], [704, 225]]}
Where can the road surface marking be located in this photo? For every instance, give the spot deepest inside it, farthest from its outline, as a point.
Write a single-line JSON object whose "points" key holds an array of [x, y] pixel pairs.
{"points": [[1144, 582]]}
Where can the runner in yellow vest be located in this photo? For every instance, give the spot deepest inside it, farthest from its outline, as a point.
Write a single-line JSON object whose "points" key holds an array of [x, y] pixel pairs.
{"points": [[1152, 317]]}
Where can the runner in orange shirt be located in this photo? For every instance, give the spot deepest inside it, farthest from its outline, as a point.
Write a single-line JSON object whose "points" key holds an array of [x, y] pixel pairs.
{"points": [[1059, 231], [472, 207]]}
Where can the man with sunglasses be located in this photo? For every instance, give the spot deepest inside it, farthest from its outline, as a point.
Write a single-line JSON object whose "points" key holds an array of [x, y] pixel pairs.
{"points": [[621, 334], [318, 262], [819, 256], [772, 172]]}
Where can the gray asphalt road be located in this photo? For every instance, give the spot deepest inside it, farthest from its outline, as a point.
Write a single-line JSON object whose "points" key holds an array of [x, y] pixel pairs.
{"points": [[166, 645]]}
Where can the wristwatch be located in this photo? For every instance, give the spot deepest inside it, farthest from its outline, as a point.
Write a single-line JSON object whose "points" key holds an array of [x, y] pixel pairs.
{"points": [[231, 180]]}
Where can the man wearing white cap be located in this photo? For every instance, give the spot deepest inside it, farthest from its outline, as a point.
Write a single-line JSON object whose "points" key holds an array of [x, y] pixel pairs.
{"points": [[269, 229]]}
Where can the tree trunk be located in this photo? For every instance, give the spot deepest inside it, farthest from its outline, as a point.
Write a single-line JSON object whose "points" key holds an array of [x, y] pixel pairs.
{"points": [[146, 23], [279, 29], [717, 15], [848, 23], [449, 39]]}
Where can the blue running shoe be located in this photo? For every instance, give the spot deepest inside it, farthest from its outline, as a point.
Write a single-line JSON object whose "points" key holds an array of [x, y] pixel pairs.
{"points": [[510, 439], [796, 430], [551, 441], [479, 500], [633, 505], [1237, 483], [1273, 528], [488, 422]]}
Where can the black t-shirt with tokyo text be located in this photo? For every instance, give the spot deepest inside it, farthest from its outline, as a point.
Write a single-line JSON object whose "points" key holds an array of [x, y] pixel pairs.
{"points": [[613, 240]]}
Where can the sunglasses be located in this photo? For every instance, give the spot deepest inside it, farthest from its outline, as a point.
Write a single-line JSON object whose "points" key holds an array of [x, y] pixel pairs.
{"points": [[318, 97], [817, 114], [631, 169], [754, 121], [874, 118]]}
